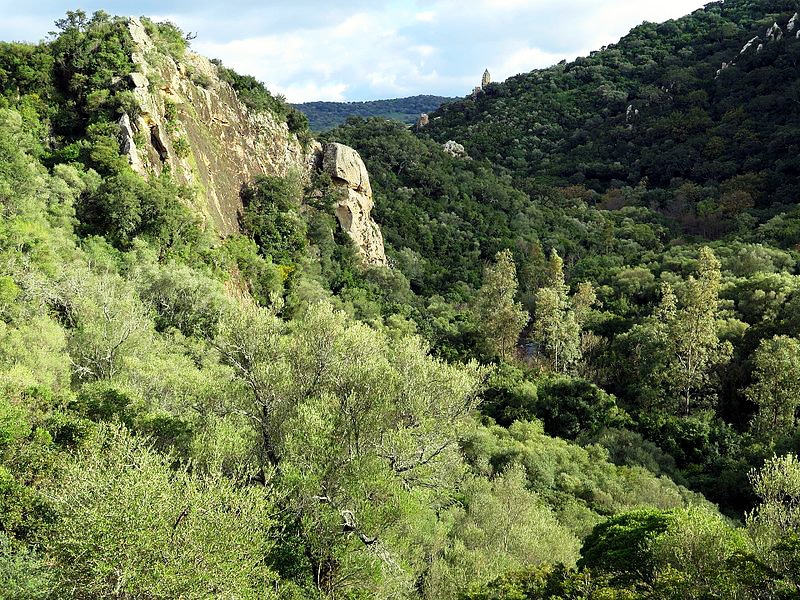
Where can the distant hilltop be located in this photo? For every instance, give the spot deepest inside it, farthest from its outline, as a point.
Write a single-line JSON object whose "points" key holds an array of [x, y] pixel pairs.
{"points": [[327, 115]]}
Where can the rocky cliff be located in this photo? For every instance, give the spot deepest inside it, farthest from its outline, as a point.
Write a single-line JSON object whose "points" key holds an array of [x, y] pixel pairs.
{"points": [[346, 168], [192, 124]]}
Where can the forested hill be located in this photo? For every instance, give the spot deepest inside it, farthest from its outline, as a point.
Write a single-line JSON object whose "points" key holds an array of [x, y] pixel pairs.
{"points": [[554, 385], [326, 115], [708, 104]]}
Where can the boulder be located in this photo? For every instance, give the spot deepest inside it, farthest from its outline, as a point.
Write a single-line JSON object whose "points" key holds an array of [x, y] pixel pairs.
{"points": [[774, 33], [793, 23], [455, 149], [354, 210], [747, 46], [343, 163], [128, 143]]}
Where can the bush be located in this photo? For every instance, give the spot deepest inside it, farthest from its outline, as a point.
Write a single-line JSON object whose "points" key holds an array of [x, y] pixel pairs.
{"points": [[621, 545], [570, 407], [509, 396], [272, 217]]}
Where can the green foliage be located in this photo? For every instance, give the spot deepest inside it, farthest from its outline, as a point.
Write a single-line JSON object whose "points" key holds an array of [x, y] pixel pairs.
{"points": [[107, 324], [168, 37], [622, 545], [260, 277], [182, 298], [573, 407], [181, 147], [694, 554], [183, 416], [654, 110], [677, 350], [777, 485], [501, 527], [776, 390], [580, 484], [362, 428], [125, 206], [558, 320], [501, 318], [509, 396], [272, 217], [88, 54], [542, 583], [693, 343], [129, 524], [23, 574]]}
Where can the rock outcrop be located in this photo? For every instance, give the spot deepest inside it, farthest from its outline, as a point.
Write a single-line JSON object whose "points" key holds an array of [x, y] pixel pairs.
{"points": [[793, 23], [192, 123], [454, 149], [353, 211], [774, 33]]}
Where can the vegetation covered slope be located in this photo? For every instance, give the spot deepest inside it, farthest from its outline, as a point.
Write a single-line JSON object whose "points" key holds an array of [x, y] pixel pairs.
{"points": [[684, 310], [262, 416], [656, 111], [327, 115]]}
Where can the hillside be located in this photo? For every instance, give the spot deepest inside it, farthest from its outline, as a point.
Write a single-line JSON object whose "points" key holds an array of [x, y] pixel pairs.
{"points": [[700, 112], [214, 382], [327, 115]]}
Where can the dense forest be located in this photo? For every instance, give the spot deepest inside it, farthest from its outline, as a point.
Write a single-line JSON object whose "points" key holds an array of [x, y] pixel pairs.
{"points": [[579, 377], [323, 116]]}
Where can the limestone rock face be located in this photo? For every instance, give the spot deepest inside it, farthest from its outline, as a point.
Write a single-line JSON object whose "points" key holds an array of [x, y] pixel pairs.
{"points": [[129, 143], [422, 122], [353, 211], [748, 45]]}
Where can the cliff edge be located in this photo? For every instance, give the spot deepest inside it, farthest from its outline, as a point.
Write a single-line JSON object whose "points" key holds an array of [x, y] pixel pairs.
{"points": [[191, 123]]}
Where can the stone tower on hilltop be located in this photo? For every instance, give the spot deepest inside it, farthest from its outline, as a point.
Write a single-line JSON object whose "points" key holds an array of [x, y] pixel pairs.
{"points": [[485, 80]]}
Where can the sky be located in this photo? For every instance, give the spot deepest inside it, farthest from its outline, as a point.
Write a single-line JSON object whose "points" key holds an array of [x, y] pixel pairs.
{"points": [[372, 49]]}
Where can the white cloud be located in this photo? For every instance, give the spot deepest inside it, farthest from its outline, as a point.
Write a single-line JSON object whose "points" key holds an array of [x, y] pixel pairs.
{"points": [[526, 59], [310, 91], [381, 50], [363, 49], [332, 49]]}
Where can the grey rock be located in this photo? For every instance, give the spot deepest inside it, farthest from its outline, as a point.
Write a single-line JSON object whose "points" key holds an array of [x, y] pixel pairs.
{"points": [[128, 143], [354, 210], [139, 80], [344, 163], [793, 23], [774, 33], [748, 45], [454, 149]]}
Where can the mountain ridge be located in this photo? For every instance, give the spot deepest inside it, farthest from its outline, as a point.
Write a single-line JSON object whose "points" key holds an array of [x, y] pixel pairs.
{"points": [[324, 115]]}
